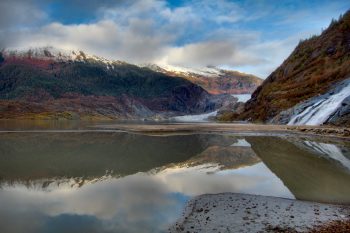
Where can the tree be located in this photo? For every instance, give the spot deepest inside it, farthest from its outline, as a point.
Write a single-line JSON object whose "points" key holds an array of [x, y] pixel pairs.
{"points": [[2, 59]]}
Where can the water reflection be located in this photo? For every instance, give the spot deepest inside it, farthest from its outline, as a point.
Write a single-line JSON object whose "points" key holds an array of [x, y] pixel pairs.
{"points": [[32, 156], [119, 182], [131, 204], [310, 174]]}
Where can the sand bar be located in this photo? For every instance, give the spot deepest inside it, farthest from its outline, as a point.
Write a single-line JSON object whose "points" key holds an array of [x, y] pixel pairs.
{"points": [[232, 128]]}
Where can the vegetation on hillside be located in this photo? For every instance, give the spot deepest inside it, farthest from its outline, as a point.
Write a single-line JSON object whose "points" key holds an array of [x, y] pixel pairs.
{"points": [[313, 67], [45, 88], [19, 79], [225, 82]]}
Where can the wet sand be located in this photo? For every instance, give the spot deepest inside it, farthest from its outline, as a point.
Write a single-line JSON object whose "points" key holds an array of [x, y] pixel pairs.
{"points": [[231, 212], [231, 128]]}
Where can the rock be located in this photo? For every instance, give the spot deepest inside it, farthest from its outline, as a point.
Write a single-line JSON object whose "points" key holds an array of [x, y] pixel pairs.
{"points": [[340, 117]]}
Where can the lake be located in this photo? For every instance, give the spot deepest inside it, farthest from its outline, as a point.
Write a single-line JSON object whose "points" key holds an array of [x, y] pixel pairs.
{"points": [[69, 177]]}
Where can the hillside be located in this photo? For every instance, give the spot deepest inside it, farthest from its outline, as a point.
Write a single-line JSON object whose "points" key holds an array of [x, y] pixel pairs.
{"points": [[49, 83], [313, 68], [214, 80]]}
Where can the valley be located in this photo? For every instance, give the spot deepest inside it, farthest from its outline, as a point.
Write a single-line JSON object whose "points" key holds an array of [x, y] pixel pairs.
{"points": [[174, 116]]}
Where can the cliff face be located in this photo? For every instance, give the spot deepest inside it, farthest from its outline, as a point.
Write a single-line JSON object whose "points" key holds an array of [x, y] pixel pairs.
{"points": [[313, 68], [46, 85]]}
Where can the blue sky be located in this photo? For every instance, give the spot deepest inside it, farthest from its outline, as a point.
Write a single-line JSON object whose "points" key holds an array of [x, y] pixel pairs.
{"points": [[246, 35]]}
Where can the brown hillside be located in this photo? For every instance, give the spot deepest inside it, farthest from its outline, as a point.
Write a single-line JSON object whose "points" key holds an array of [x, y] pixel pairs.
{"points": [[228, 82], [311, 69], [220, 82]]}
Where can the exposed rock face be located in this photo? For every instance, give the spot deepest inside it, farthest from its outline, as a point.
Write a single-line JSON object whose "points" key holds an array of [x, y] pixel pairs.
{"points": [[299, 113], [342, 116], [45, 83], [312, 69]]}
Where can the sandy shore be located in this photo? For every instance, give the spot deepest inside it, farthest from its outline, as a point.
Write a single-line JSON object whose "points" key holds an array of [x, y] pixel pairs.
{"points": [[231, 212], [233, 128]]}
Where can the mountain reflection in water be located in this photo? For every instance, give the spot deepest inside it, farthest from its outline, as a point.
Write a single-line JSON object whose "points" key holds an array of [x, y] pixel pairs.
{"points": [[120, 182]]}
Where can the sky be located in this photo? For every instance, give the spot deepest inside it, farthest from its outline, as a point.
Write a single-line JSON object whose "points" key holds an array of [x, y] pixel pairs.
{"points": [[245, 35]]}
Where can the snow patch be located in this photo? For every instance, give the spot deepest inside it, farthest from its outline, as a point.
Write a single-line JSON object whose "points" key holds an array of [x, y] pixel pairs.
{"points": [[51, 53], [203, 71]]}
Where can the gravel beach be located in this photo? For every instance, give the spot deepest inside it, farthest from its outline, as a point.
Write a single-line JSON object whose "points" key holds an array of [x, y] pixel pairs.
{"points": [[231, 212]]}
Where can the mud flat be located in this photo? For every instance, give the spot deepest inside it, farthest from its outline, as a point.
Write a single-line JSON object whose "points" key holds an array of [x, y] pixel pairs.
{"points": [[231, 212], [232, 128]]}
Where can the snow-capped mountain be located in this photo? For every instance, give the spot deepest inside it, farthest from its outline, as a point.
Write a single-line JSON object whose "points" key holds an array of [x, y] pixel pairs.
{"points": [[51, 83], [213, 79], [59, 55], [205, 71]]}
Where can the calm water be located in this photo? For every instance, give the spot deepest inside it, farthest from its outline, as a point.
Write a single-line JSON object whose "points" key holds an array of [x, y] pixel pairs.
{"points": [[93, 181]]}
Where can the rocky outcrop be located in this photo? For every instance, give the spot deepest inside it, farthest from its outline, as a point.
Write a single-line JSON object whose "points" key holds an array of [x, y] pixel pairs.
{"points": [[341, 117], [333, 107]]}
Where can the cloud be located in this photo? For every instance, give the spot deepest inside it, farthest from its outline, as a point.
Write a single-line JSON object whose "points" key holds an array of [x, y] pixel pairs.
{"points": [[14, 14], [137, 42], [210, 53], [237, 35]]}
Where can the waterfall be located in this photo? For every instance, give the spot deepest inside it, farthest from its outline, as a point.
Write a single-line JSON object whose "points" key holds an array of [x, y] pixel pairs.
{"points": [[320, 112]]}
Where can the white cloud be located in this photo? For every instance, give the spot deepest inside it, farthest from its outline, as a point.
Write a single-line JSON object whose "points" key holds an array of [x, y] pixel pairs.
{"points": [[198, 33], [17, 13], [135, 43], [209, 53]]}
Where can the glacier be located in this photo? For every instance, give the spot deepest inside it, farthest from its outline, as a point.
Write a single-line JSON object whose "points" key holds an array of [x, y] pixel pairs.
{"points": [[195, 118]]}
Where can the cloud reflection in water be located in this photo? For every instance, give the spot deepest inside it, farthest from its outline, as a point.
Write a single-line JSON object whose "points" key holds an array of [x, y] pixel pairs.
{"points": [[143, 202]]}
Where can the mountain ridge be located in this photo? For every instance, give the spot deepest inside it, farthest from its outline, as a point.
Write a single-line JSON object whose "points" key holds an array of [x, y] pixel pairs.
{"points": [[45, 84], [213, 79], [314, 67]]}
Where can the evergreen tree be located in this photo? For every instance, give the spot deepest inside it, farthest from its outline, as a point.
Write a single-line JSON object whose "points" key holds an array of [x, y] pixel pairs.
{"points": [[2, 59]]}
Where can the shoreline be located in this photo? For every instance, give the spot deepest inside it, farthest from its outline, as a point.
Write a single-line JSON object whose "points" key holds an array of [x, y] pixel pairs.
{"points": [[160, 129], [233, 212]]}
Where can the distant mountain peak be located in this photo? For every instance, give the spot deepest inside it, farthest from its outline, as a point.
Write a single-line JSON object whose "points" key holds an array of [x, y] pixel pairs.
{"points": [[55, 54], [206, 71], [213, 79]]}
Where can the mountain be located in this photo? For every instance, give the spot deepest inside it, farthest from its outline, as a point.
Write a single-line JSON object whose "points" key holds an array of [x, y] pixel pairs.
{"points": [[213, 79], [50, 83], [311, 86]]}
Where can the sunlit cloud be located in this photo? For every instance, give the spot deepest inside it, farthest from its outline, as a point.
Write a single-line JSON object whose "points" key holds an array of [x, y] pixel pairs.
{"points": [[246, 36]]}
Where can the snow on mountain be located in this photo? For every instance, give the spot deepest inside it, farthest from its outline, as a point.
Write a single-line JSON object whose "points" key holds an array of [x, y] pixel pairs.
{"points": [[204, 71], [212, 79], [61, 55]]}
